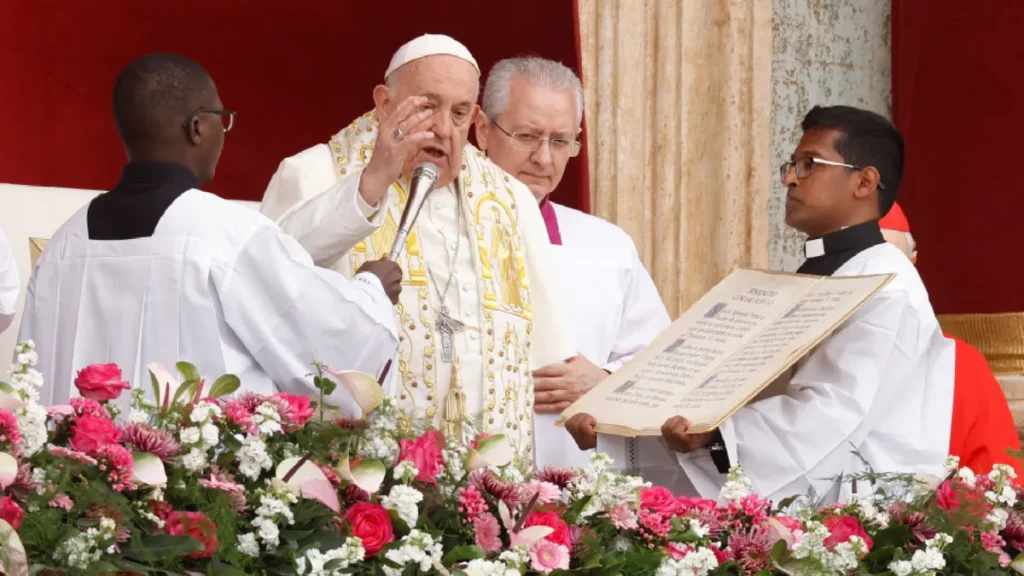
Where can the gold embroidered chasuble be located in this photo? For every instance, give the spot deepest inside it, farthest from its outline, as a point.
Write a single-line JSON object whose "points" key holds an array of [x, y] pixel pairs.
{"points": [[495, 301]]}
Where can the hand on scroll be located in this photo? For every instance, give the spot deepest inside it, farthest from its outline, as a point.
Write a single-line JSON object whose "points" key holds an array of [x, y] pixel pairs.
{"points": [[675, 433], [557, 386], [583, 428]]}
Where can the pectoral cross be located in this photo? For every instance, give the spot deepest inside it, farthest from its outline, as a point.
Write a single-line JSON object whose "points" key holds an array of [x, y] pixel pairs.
{"points": [[447, 326]]}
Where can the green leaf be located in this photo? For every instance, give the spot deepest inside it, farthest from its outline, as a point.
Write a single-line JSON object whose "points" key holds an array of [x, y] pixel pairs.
{"points": [[324, 540], [232, 442], [401, 528], [156, 388], [6, 388], [325, 385], [129, 566], [188, 371], [463, 554], [224, 385], [103, 567], [778, 550], [218, 568], [187, 389], [163, 545], [295, 535]]}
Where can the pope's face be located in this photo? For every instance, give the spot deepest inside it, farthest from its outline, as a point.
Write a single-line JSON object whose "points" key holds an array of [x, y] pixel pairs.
{"points": [[541, 118], [450, 85]]}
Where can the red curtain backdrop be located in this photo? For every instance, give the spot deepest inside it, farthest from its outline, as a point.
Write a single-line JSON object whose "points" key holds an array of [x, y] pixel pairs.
{"points": [[296, 72], [956, 82]]}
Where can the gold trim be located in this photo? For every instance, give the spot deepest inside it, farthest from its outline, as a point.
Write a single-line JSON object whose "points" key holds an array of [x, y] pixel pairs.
{"points": [[1000, 337], [35, 249]]}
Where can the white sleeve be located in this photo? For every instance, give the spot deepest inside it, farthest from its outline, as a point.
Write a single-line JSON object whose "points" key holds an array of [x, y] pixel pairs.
{"points": [[643, 315], [10, 282], [806, 437], [284, 310], [324, 213]]}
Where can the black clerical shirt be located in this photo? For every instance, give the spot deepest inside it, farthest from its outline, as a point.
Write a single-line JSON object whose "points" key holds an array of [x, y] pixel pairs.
{"points": [[134, 207], [825, 255]]}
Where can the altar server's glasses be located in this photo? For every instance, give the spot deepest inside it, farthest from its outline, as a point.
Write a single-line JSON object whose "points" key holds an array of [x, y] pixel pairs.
{"points": [[227, 117], [530, 143], [804, 167]]}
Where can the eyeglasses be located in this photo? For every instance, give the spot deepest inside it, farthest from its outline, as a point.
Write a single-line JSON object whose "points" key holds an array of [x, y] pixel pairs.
{"points": [[530, 143], [804, 166], [227, 117]]}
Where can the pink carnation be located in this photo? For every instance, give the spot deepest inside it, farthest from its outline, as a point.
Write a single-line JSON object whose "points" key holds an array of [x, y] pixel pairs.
{"points": [[546, 556], [471, 503], [994, 543], [488, 533], [64, 410], [88, 407], [297, 412], [9, 428], [425, 453], [622, 517], [653, 525], [62, 501], [117, 461], [546, 492], [62, 452], [214, 483]]}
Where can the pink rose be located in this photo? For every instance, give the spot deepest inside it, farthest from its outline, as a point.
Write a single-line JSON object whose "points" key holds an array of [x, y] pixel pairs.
{"points": [[842, 528], [700, 504], [299, 410], [553, 521], [101, 382], [198, 526], [425, 454], [660, 500], [546, 556], [91, 433], [10, 512], [946, 497], [371, 523]]}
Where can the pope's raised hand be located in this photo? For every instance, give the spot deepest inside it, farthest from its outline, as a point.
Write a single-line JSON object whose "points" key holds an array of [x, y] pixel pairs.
{"points": [[583, 428], [398, 138]]}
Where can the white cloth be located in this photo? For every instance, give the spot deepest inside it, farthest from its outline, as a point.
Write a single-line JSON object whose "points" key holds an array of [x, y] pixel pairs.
{"points": [[881, 384], [9, 282], [613, 306], [217, 285], [320, 207]]}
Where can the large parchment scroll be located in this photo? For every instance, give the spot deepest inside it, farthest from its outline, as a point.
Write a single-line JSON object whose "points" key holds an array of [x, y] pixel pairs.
{"points": [[743, 334]]}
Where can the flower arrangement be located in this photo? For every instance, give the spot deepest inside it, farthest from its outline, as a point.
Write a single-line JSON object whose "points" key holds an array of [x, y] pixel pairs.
{"points": [[214, 480]]}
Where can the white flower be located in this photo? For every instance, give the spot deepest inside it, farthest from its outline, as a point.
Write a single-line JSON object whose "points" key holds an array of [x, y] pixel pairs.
{"points": [[952, 463], [86, 548], [967, 476], [248, 546], [998, 517], [404, 500], [138, 416], [406, 471], [267, 419], [381, 448], [483, 567], [32, 425], [350, 553], [417, 548], [927, 560], [268, 531], [203, 411], [698, 562], [699, 529], [195, 461], [737, 485], [211, 435], [253, 457], [901, 567], [518, 557], [190, 436]]}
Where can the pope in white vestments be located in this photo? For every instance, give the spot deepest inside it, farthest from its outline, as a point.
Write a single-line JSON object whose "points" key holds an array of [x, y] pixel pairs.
{"points": [[158, 271], [478, 312], [10, 283], [532, 114], [881, 384]]}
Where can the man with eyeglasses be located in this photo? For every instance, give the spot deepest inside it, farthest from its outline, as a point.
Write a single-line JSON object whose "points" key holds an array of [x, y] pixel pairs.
{"points": [[880, 385], [532, 113], [157, 271], [479, 312]]}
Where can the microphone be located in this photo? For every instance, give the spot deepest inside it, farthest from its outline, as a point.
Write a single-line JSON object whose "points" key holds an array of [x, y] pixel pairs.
{"points": [[423, 179]]}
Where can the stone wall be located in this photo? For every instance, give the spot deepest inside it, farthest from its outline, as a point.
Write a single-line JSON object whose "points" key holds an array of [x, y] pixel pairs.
{"points": [[824, 52]]}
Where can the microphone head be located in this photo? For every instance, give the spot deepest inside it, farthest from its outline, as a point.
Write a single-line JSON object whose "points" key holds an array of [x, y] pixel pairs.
{"points": [[427, 170]]}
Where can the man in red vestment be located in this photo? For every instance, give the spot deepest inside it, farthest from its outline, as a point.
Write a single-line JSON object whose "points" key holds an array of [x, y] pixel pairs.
{"points": [[982, 431]]}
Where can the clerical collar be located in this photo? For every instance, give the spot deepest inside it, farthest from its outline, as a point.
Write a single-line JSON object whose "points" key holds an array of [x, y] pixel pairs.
{"points": [[133, 208], [547, 210], [827, 254]]}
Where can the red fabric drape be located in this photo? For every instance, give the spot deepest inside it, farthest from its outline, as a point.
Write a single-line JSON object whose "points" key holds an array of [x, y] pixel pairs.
{"points": [[956, 91], [296, 72]]}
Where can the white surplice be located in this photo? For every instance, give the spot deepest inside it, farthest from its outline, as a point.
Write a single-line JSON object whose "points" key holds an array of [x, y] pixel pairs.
{"points": [[613, 307], [216, 285], [881, 384], [10, 282]]}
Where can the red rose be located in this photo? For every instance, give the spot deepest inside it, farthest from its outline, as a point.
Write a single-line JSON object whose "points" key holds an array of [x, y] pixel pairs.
{"points": [[425, 453], [555, 522], [101, 382], [661, 500], [371, 523], [90, 433], [946, 497], [841, 528], [11, 512], [299, 410], [198, 526]]}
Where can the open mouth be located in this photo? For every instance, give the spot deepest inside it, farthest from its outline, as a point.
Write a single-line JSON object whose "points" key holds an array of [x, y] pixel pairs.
{"points": [[434, 152]]}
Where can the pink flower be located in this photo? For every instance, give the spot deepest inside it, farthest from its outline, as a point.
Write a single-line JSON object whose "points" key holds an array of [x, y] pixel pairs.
{"points": [[425, 453], [560, 477], [653, 525], [298, 411], [622, 517], [62, 452], [488, 533], [145, 438], [475, 442], [471, 503], [546, 556], [546, 492], [64, 410], [117, 461], [687, 504], [722, 556], [677, 551], [237, 413], [1014, 530], [842, 528], [791, 524], [224, 485], [101, 382], [946, 497], [9, 428], [752, 549], [660, 500], [89, 407], [750, 509], [488, 482], [993, 542], [11, 512], [198, 526], [553, 521], [62, 501], [332, 477], [91, 433]]}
